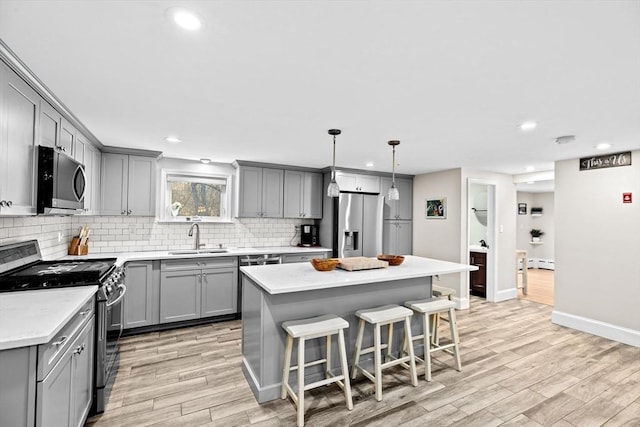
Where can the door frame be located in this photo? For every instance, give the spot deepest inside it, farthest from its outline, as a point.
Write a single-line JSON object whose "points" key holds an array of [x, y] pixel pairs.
{"points": [[492, 235]]}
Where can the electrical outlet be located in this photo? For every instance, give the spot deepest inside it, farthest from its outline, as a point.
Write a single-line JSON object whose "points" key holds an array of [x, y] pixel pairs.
{"points": [[59, 236]]}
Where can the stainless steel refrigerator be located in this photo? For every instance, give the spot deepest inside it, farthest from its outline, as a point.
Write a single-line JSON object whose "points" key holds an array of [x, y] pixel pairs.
{"points": [[354, 225]]}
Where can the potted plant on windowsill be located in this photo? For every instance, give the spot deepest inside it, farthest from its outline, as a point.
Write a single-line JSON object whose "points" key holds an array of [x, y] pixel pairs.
{"points": [[536, 234]]}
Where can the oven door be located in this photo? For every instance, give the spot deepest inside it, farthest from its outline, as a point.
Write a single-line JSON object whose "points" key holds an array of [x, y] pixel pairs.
{"points": [[115, 320]]}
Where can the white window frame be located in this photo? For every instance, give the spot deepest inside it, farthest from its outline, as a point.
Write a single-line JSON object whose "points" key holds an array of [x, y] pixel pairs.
{"points": [[169, 175]]}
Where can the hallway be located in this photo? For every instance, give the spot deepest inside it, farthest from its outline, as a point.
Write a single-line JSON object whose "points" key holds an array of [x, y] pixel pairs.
{"points": [[540, 286]]}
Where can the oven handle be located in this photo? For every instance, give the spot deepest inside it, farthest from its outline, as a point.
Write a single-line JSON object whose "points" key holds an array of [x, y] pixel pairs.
{"points": [[117, 300]]}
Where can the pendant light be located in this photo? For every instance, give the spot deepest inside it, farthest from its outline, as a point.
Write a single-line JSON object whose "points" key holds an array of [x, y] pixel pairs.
{"points": [[393, 193], [333, 190]]}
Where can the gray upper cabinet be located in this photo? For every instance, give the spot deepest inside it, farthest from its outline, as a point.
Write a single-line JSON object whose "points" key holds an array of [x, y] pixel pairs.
{"points": [[131, 189], [359, 183], [19, 111], [92, 166], [50, 124], [398, 209], [141, 297], [79, 148], [260, 192], [302, 194], [67, 138]]}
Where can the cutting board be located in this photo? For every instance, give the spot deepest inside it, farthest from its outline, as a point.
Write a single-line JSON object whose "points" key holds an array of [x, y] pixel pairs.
{"points": [[361, 263]]}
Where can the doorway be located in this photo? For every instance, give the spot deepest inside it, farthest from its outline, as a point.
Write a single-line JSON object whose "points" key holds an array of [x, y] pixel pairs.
{"points": [[482, 240]]}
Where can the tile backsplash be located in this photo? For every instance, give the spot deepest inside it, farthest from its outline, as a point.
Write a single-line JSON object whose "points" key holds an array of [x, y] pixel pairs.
{"points": [[122, 234], [118, 233]]}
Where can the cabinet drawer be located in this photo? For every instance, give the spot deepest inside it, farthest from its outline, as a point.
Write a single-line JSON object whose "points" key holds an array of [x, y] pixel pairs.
{"points": [[290, 258], [51, 352], [198, 263]]}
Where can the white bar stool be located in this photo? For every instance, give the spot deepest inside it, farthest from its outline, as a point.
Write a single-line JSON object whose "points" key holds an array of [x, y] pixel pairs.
{"points": [[380, 316], [306, 329], [436, 307], [439, 292]]}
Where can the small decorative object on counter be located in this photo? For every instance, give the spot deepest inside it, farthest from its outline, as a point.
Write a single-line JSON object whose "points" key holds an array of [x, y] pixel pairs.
{"points": [[79, 244], [391, 259], [324, 264]]}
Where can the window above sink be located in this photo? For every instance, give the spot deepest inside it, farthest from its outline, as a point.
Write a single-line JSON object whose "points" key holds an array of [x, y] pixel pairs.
{"points": [[188, 197]]}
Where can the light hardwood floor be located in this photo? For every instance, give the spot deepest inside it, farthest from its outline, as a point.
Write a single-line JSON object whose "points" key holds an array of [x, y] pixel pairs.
{"points": [[518, 370], [540, 286]]}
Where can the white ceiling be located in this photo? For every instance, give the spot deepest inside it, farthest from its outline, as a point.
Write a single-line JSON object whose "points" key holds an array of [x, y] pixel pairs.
{"points": [[263, 81]]}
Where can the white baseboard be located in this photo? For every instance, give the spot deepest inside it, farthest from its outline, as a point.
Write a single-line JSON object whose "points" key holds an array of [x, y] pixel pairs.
{"points": [[506, 294], [461, 303], [596, 327]]}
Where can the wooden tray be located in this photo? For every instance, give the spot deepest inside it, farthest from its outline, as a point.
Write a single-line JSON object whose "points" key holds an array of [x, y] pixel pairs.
{"points": [[361, 263]]}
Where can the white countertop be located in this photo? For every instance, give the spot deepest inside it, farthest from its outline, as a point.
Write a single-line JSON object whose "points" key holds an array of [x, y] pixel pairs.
{"points": [[124, 257], [34, 317], [285, 278]]}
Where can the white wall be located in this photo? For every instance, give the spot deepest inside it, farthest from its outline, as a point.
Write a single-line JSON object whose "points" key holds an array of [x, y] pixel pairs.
{"points": [[546, 223], [597, 250]]}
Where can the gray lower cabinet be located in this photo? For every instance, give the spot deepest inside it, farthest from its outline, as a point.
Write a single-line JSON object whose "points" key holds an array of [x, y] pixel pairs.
{"points": [[198, 287], [64, 395], [397, 237], [18, 386], [142, 299]]}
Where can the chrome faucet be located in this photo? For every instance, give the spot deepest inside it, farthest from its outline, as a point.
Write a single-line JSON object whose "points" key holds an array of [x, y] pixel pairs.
{"points": [[197, 227]]}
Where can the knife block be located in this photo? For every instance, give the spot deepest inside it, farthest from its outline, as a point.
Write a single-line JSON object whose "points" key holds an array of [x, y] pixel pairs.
{"points": [[75, 248]]}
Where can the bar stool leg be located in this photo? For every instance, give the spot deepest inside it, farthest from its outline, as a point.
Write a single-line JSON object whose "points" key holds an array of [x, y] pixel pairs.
{"points": [[345, 370], [356, 356], [328, 357], [377, 362], [300, 382], [427, 349], [412, 358], [287, 366], [454, 336], [389, 342]]}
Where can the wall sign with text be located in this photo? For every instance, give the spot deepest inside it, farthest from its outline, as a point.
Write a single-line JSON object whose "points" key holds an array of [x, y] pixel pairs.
{"points": [[613, 160]]}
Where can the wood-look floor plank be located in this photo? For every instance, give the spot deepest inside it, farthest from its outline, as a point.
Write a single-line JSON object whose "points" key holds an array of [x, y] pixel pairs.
{"points": [[518, 369]]}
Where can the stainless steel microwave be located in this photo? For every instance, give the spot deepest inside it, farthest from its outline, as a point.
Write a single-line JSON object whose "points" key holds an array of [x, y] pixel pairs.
{"points": [[61, 183]]}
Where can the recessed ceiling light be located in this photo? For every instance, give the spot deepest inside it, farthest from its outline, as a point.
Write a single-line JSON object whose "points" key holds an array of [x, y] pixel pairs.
{"points": [[527, 126], [603, 146], [530, 182], [186, 19], [369, 164], [173, 139], [530, 169], [205, 160]]}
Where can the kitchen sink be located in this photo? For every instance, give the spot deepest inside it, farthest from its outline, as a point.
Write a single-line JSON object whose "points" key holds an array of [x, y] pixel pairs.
{"points": [[197, 251]]}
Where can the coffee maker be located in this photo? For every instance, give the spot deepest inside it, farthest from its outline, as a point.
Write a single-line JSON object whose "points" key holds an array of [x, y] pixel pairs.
{"points": [[309, 235]]}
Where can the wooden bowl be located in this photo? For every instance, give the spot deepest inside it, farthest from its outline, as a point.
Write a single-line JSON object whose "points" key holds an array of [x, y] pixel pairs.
{"points": [[391, 259], [324, 264]]}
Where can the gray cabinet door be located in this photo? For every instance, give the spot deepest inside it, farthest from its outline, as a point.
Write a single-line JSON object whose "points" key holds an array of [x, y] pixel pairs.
{"points": [[141, 189], [50, 122], [404, 238], [347, 181], [139, 298], [114, 171], [250, 192], [96, 168], [313, 192], [390, 206], [294, 186], [389, 239], [82, 375], [19, 111], [180, 293], [405, 204], [18, 401], [53, 405], [368, 183], [219, 291], [272, 193], [67, 138]]}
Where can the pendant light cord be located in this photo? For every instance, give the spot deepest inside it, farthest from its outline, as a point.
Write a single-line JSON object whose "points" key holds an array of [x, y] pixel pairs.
{"points": [[333, 169]]}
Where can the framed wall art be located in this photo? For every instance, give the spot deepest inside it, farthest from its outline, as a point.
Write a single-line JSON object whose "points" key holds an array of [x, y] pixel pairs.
{"points": [[436, 208], [522, 208]]}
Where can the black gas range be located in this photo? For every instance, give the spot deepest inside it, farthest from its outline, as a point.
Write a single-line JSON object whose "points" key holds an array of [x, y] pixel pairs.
{"points": [[22, 269]]}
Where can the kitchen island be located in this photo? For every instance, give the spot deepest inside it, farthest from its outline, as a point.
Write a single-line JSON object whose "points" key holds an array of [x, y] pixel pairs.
{"points": [[273, 294]]}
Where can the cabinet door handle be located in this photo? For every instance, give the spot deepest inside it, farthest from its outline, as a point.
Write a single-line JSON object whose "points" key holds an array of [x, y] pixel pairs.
{"points": [[123, 212], [3, 203], [9, 203], [84, 313], [61, 341], [129, 212]]}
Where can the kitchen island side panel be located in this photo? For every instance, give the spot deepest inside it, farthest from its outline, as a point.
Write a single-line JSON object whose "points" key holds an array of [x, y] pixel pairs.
{"points": [[264, 339]]}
